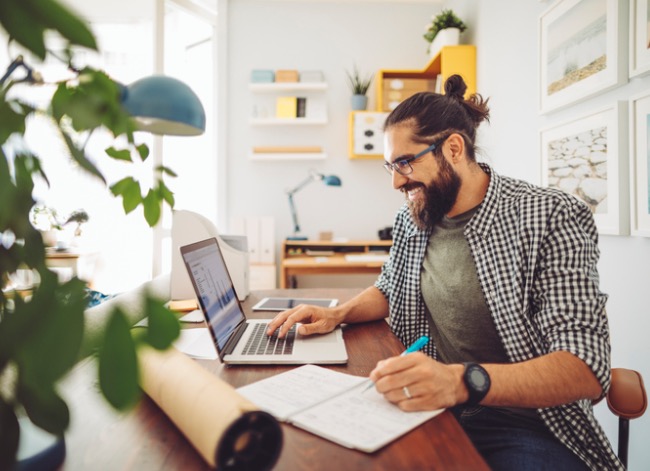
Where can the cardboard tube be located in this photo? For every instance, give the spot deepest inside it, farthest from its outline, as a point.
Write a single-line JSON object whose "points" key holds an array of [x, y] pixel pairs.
{"points": [[227, 430]]}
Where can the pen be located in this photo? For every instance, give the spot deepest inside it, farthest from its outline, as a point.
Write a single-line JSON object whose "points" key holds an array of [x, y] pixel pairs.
{"points": [[414, 347]]}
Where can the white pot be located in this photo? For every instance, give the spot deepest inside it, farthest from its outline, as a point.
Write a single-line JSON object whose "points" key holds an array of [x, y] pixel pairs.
{"points": [[445, 37]]}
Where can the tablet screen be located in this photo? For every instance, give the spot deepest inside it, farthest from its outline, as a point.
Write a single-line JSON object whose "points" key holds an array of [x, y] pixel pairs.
{"points": [[282, 304]]}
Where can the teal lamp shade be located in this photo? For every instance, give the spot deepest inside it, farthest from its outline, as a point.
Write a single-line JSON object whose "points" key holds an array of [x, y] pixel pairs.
{"points": [[332, 180], [164, 105]]}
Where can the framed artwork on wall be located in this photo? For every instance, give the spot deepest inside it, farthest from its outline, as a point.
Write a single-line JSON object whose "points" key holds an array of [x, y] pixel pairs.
{"points": [[587, 158], [639, 37], [581, 50], [639, 166]]}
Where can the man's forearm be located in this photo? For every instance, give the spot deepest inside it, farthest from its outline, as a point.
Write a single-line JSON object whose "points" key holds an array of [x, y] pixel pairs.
{"points": [[369, 305], [550, 380]]}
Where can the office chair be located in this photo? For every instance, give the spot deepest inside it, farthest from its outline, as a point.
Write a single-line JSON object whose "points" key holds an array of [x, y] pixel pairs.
{"points": [[627, 400]]}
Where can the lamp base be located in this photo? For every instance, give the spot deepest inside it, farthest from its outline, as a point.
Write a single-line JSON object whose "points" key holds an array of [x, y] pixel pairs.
{"points": [[297, 237]]}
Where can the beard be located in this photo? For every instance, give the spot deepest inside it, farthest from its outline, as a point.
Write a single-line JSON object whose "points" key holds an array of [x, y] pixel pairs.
{"points": [[439, 197]]}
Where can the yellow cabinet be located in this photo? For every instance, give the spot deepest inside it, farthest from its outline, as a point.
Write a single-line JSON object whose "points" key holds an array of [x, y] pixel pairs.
{"points": [[394, 86]]}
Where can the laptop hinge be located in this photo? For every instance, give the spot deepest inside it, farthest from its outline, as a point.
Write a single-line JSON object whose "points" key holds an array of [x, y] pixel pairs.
{"points": [[232, 342]]}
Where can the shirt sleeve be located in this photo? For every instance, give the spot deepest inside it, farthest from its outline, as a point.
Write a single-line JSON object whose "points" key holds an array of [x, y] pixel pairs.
{"points": [[570, 308]]}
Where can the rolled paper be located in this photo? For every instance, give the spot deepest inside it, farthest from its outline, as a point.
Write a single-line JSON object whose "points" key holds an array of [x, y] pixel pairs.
{"points": [[227, 430]]}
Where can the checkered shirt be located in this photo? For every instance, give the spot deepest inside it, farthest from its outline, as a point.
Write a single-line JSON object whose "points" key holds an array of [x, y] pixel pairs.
{"points": [[536, 252]]}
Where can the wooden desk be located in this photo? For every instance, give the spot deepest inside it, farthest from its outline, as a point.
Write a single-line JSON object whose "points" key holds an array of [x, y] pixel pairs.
{"points": [[145, 439], [315, 257]]}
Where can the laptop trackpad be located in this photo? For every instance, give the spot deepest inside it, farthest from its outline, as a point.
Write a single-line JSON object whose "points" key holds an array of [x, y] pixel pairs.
{"points": [[319, 338]]}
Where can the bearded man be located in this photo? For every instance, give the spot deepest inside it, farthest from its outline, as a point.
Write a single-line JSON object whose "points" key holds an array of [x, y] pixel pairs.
{"points": [[502, 276]]}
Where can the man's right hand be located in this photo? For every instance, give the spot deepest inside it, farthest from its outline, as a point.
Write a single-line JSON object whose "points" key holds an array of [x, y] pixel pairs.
{"points": [[314, 320]]}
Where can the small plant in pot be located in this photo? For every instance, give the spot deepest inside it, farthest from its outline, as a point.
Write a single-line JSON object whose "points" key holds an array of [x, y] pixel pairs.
{"points": [[445, 20], [359, 86]]}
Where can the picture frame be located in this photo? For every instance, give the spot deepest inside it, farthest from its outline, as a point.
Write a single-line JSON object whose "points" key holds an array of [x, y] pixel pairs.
{"points": [[582, 50], [640, 164], [639, 37], [587, 158]]}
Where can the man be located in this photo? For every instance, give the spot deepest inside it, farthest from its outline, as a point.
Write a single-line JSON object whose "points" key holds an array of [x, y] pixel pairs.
{"points": [[502, 275]]}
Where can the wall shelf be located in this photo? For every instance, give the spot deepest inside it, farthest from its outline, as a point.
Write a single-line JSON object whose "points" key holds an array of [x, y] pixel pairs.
{"points": [[260, 156], [287, 86], [287, 121]]}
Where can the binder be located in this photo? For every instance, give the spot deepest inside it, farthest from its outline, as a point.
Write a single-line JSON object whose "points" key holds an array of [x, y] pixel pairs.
{"points": [[267, 240], [253, 235]]}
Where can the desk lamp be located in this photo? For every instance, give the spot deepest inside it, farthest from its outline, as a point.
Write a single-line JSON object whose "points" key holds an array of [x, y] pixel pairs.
{"points": [[158, 104], [329, 180]]}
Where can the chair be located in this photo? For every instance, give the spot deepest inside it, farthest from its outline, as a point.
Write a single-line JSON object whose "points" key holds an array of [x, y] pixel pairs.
{"points": [[627, 400]]}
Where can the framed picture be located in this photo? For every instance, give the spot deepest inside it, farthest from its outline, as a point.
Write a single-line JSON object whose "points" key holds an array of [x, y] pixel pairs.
{"points": [[639, 167], [587, 158], [581, 50], [639, 37]]}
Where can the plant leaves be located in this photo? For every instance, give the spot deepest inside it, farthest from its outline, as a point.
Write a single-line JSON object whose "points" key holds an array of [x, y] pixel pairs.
{"points": [[80, 157], [14, 15], [151, 204], [166, 193], [129, 190], [166, 171], [123, 154], [164, 327], [56, 17], [45, 408], [143, 150], [118, 363]]}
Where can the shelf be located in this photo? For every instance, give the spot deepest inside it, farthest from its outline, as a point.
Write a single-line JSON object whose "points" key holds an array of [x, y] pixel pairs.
{"points": [[287, 86], [287, 121], [259, 156]]}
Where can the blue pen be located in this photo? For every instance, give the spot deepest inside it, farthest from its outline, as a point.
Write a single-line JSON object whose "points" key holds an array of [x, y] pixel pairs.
{"points": [[415, 346]]}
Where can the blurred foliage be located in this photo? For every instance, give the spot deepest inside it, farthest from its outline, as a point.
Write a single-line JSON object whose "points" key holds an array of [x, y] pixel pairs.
{"points": [[41, 336]]}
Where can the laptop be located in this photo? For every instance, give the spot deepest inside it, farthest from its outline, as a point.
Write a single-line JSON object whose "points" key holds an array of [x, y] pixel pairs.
{"points": [[244, 341]]}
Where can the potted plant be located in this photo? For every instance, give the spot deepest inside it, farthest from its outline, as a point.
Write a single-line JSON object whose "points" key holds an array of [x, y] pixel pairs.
{"points": [[444, 30], [359, 87], [41, 336]]}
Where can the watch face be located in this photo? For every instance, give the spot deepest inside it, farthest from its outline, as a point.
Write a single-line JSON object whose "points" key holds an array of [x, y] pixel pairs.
{"points": [[478, 379]]}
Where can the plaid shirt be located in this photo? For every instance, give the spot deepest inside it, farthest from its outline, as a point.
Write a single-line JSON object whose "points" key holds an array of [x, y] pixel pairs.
{"points": [[536, 252]]}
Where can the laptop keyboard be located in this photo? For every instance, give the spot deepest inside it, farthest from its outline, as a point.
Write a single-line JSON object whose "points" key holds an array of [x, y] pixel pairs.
{"points": [[261, 344]]}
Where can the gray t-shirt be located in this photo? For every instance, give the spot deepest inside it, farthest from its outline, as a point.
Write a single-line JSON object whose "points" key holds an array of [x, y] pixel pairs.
{"points": [[461, 325]]}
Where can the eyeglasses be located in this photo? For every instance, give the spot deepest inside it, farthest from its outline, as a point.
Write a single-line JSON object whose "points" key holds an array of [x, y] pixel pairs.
{"points": [[403, 165]]}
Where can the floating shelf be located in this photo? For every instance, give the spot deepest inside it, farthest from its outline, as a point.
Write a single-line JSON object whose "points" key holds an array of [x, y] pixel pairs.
{"points": [[287, 86], [287, 156], [287, 121]]}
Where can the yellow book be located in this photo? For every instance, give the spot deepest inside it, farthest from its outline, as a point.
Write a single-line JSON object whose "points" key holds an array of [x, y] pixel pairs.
{"points": [[286, 107]]}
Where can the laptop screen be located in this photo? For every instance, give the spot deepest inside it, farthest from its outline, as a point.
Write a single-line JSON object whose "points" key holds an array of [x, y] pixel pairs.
{"points": [[214, 288]]}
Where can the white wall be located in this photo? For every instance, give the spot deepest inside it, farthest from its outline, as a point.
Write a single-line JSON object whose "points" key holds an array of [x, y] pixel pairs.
{"points": [[331, 37]]}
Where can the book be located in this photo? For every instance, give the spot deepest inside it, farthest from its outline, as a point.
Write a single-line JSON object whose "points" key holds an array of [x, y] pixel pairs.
{"points": [[301, 107], [286, 107], [335, 406]]}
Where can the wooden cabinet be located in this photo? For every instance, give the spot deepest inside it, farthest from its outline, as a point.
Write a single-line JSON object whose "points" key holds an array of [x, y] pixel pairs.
{"points": [[394, 86]]}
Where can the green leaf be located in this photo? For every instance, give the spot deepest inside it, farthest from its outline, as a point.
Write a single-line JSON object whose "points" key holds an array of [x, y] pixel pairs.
{"points": [[10, 431], [118, 363], [56, 17], [45, 409], [129, 190], [80, 157], [166, 171], [166, 193], [151, 204], [123, 154], [12, 119], [14, 16], [164, 327], [143, 150]]}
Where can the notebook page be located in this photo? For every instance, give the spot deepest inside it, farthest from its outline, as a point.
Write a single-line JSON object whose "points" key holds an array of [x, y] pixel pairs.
{"points": [[284, 394]]}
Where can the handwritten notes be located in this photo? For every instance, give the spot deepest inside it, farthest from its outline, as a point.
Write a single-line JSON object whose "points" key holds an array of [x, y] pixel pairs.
{"points": [[334, 406]]}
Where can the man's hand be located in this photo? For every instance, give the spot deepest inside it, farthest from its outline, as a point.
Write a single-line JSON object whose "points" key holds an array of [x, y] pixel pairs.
{"points": [[431, 384], [314, 319]]}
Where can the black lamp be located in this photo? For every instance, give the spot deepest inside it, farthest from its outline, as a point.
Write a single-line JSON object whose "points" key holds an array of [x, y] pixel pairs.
{"points": [[329, 180]]}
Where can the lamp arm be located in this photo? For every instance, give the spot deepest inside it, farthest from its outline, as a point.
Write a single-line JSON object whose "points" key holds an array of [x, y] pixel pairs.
{"points": [[294, 215], [31, 77], [304, 183]]}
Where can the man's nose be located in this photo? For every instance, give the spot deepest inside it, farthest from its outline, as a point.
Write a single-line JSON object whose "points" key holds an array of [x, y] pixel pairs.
{"points": [[398, 180]]}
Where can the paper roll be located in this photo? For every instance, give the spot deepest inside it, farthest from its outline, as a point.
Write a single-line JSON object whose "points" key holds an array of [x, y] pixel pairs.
{"points": [[228, 431]]}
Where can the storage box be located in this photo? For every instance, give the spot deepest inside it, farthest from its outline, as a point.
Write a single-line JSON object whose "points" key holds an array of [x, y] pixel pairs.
{"points": [[311, 76], [286, 107], [262, 76], [286, 75]]}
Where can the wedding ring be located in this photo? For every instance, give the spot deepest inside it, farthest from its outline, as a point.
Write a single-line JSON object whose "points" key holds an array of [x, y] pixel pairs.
{"points": [[407, 393]]}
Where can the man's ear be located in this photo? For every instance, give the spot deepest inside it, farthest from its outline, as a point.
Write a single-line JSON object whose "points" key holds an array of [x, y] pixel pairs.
{"points": [[456, 147]]}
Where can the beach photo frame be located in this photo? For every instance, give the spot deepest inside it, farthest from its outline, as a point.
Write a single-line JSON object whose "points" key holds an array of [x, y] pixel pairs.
{"points": [[639, 164], [639, 37]]}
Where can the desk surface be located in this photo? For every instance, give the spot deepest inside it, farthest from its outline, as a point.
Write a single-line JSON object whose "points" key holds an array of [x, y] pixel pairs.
{"points": [[145, 439]]}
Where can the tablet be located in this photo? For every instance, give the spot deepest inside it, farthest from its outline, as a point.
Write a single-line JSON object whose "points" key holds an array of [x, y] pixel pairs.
{"points": [[282, 304]]}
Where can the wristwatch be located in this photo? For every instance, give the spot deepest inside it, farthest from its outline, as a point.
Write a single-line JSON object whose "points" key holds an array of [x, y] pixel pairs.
{"points": [[477, 381]]}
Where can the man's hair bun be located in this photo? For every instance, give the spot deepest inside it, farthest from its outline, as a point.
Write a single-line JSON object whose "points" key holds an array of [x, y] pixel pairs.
{"points": [[455, 87]]}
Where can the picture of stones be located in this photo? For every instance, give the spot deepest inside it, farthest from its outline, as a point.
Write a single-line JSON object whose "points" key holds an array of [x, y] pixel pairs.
{"points": [[577, 45], [577, 164], [647, 146]]}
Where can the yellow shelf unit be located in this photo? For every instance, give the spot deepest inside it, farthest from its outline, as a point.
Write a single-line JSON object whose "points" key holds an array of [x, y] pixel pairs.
{"points": [[450, 60]]}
